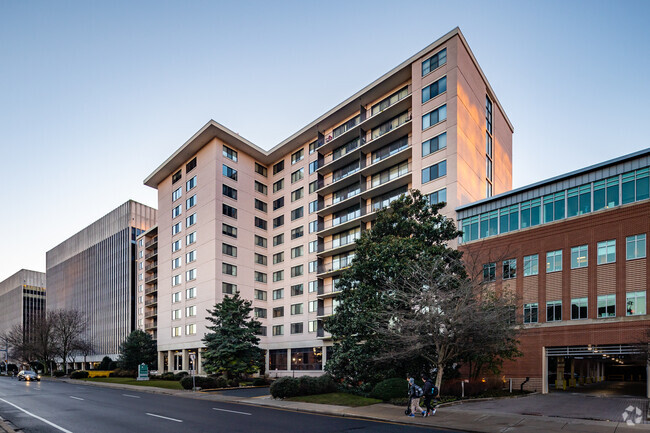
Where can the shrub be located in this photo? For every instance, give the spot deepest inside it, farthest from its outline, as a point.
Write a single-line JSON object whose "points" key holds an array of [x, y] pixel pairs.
{"points": [[305, 385], [105, 364], [389, 389], [118, 372], [99, 373], [78, 375], [326, 384], [233, 383], [168, 376], [284, 387], [59, 373], [200, 381], [221, 382], [260, 381], [180, 375]]}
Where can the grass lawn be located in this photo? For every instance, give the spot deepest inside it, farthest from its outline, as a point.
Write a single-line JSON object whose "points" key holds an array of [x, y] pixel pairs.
{"points": [[169, 384], [337, 398]]}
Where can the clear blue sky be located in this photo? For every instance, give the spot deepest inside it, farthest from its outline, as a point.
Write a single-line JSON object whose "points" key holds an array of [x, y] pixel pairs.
{"points": [[95, 95]]}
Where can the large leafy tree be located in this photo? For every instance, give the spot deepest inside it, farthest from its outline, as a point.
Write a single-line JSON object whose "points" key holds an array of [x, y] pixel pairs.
{"points": [[232, 345], [136, 349], [410, 231]]}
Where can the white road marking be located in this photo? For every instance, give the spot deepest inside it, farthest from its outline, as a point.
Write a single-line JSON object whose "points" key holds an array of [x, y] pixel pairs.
{"points": [[132, 396], [231, 411], [164, 417], [37, 417], [76, 398]]}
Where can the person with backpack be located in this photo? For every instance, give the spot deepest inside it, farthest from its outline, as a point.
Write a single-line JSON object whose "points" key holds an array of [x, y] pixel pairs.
{"points": [[430, 392], [414, 394]]}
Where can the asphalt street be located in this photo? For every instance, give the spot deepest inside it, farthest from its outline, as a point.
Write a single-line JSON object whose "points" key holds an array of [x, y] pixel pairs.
{"points": [[55, 407]]}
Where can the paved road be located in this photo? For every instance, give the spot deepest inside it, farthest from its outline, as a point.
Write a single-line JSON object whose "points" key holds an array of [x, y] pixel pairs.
{"points": [[55, 407]]}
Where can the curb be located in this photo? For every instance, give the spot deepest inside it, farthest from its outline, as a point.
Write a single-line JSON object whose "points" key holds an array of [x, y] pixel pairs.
{"points": [[5, 427], [477, 400]]}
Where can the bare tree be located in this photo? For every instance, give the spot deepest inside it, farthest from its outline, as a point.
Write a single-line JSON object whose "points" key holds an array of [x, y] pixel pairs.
{"points": [[440, 318], [68, 327], [42, 340], [84, 347], [19, 346]]}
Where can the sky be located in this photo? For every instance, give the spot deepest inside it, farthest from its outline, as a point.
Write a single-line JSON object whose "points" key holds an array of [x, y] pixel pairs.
{"points": [[94, 96]]}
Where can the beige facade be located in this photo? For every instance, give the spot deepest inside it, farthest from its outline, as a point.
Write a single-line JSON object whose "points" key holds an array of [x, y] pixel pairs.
{"points": [[422, 125]]}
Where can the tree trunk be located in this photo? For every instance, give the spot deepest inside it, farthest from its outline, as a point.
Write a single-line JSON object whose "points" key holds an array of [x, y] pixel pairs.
{"points": [[441, 369]]}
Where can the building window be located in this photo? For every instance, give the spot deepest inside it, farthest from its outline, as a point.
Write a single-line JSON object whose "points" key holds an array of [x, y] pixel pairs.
{"points": [[312, 326], [177, 176], [489, 272], [278, 312], [190, 293], [297, 251], [635, 303], [176, 263], [260, 313], [278, 294], [531, 312], [190, 311], [278, 276], [579, 308], [435, 144], [190, 220], [190, 257], [190, 184], [579, 257], [434, 172], [260, 169], [553, 261], [176, 280], [313, 186], [296, 328], [297, 194], [230, 153], [439, 196], [297, 213], [229, 269], [229, 230], [176, 314], [298, 175], [277, 168], [297, 156], [607, 252], [228, 192], [190, 329], [434, 62], [260, 223], [297, 271], [278, 221], [313, 226], [176, 211], [313, 266], [313, 206], [260, 277], [387, 102], [509, 269], [278, 203], [229, 250], [313, 166], [176, 228], [176, 297], [313, 286], [278, 186], [278, 258], [260, 259], [434, 117], [635, 247], [229, 211], [553, 311], [260, 241], [434, 89], [278, 239], [607, 306], [191, 202], [177, 193], [228, 288], [176, 331], [297, 290], [260, 187], [278, 330], [260, 295], [313, 247], [296, 309], [229, 172], [531, 265], [297, 232], [190, 239], [190, 165], [176, 245]]}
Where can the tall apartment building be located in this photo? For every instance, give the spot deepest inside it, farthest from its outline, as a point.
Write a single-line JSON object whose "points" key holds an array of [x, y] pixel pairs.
{"points": [[147, 295], [574, 251], [22, 300], [279, 226], [94, 272]]}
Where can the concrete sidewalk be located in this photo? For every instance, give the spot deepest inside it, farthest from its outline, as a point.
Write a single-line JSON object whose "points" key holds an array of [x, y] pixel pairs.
{"points": [[452, 417]]}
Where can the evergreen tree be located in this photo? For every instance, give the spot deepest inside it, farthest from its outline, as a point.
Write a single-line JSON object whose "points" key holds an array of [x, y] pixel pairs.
{"points": [[232, 346], [409, 231], [138, 348]]}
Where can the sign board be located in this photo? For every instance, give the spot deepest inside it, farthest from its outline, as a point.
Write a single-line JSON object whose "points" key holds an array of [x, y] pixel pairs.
{"points": [[143, 372]]}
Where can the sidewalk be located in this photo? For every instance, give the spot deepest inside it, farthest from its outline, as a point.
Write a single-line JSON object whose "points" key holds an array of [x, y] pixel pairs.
{"points": [[452, 418]]}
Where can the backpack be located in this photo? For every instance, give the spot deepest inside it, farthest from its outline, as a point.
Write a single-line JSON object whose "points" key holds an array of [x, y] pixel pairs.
{"points": [[418, 391], [434, 390]]}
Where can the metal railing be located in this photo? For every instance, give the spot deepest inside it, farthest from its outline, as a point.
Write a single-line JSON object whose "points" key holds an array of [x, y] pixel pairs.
{"points": [[150, 290], [151, 278], [152, 312], [150, 302], [151, 254], [151, 242]]}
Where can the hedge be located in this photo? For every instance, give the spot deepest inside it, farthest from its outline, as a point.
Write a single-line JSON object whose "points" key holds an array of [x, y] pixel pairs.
{"points": [[78, 375], [286, 387], [58, 373], [389, 389], [201, 382]]}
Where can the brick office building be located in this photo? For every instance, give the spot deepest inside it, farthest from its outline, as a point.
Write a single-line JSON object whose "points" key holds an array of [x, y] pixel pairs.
{"points": [[573, 249]]}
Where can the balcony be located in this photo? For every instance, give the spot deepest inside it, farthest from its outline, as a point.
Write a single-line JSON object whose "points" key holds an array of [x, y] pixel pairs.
{"points": [[338, 247], [150, 255], [150, 302], [325, 312], [328, 291], [151, 267], [151, 243], [367, 124], [151, 278], [151, 289], [325, 271], [151, 312], [151, 324]]}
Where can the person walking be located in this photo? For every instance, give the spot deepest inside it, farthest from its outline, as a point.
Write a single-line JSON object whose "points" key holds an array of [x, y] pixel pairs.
{"points": [[415, 392], [430, 391]]}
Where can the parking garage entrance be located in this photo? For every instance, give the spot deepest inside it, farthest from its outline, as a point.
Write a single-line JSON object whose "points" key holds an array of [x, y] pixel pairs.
{"points": [[615, 369]]}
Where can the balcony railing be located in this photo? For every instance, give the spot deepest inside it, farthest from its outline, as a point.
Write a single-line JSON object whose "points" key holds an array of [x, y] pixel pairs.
{"points": [[325, 311], [348, 240], [151, 278], [329, 289], [151, 243], [151, 312], [150, 302], [151, 267], [324, 269], [151, 254], [151, 289], [151, 324]]}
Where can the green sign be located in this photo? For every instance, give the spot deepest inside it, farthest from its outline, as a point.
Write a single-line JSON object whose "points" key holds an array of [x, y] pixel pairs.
{"points": [[143, 372]]}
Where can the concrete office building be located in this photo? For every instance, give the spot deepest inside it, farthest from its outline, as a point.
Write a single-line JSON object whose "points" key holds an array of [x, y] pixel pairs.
{"points": [[279, 226], [574, 251], [22, 301], [94, 272]]}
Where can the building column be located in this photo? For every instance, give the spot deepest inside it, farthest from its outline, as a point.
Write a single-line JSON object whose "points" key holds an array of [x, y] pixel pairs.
{"points": [[267, 362], [170, 361], [288, 359], [544, 371], [559, 379], [161, 362], [647, 380], [323, 357], [186, 360], [572, 380], [199, 361]]}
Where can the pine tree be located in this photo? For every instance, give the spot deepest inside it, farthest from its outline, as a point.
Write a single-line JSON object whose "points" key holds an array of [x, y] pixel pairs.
{"points": [[232, 346], [137, 348]]}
